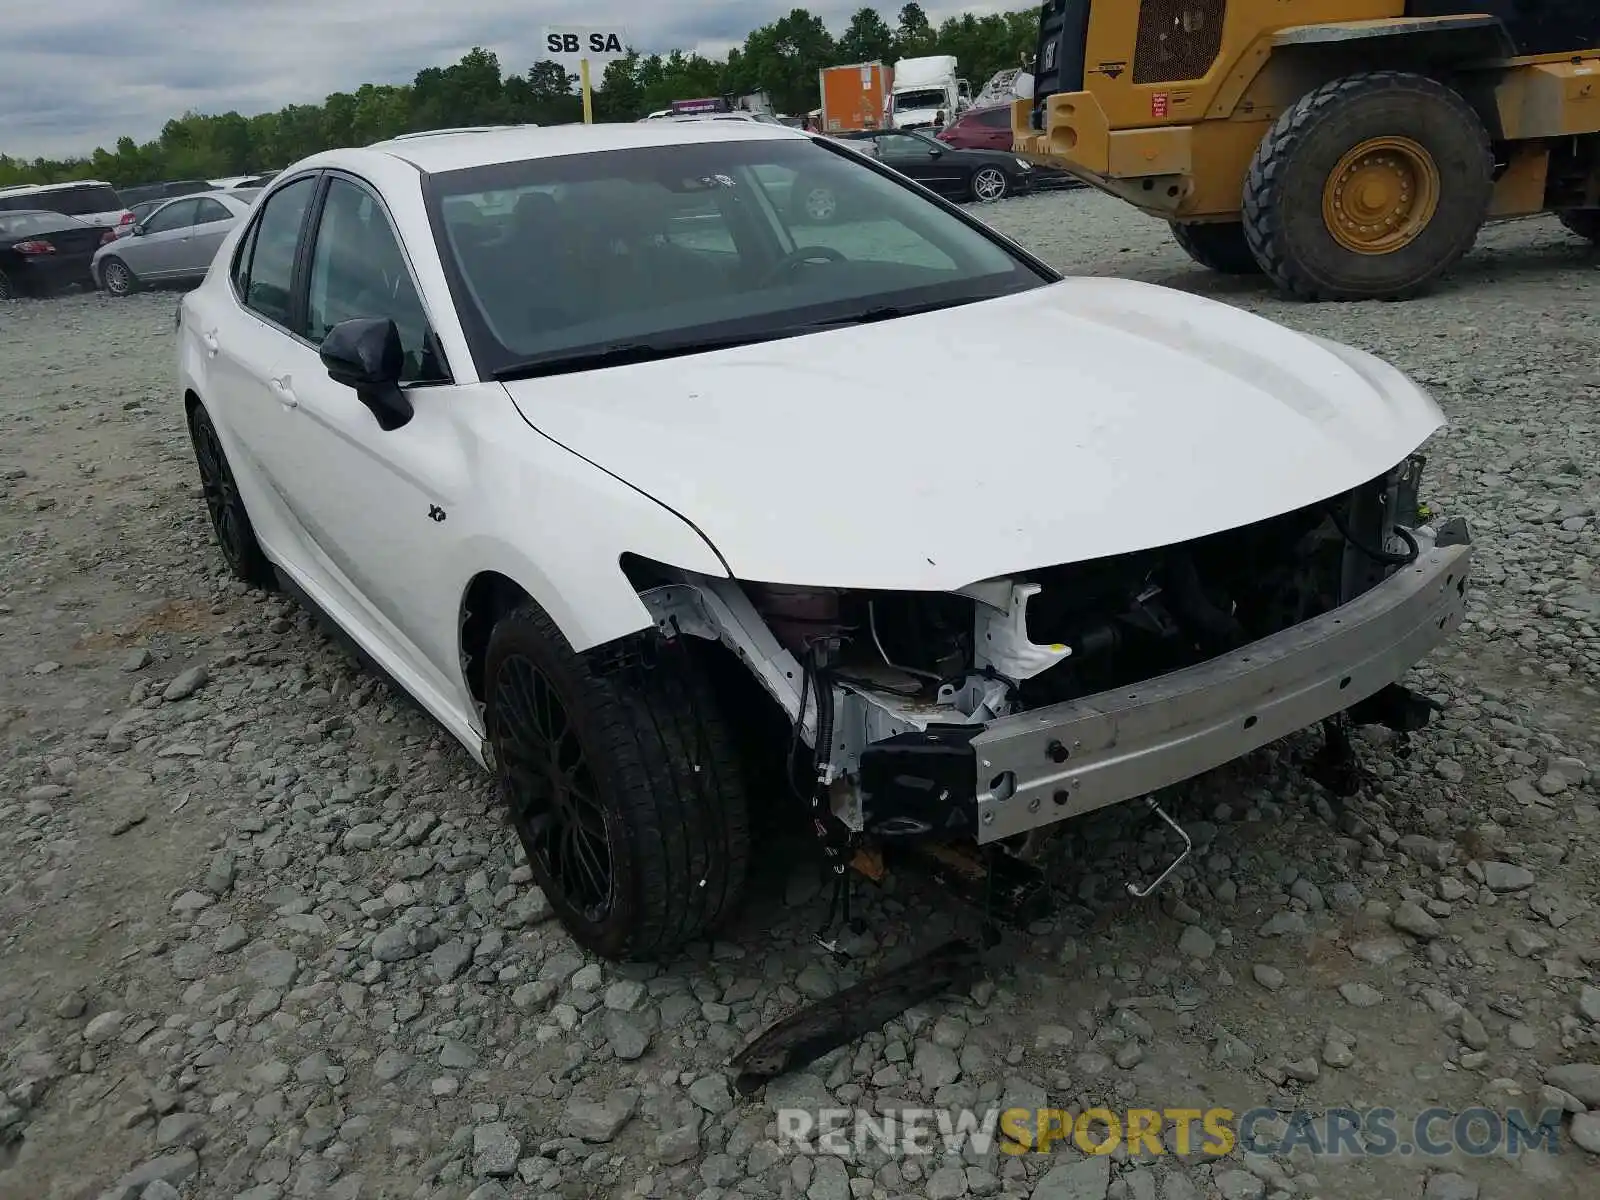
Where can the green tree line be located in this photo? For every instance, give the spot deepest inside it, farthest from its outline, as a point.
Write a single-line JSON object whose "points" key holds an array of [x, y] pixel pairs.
{"points": [[781, 59]]}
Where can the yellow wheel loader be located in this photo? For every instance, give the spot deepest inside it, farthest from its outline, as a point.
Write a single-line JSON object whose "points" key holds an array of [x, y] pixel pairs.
{"points": [[1349, 149]]}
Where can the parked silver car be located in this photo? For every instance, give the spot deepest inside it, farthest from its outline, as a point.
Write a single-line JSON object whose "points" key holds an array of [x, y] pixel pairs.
{"points": [[174, 242]]}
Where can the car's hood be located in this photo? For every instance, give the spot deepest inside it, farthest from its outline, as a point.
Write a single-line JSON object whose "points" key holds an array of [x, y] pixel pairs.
{"points": [[1088, 418]]}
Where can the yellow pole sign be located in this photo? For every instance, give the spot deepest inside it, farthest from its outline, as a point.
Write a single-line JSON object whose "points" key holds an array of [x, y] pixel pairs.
{"points": [[585, 43]]}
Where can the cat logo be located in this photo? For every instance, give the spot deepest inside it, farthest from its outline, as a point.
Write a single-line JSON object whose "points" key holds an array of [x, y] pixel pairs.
{"points": [[435, 513]]}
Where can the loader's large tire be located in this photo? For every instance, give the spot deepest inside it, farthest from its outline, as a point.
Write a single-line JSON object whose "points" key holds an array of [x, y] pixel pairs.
{"points": [[1219, 247], [1585, 222], [1370, 186]]}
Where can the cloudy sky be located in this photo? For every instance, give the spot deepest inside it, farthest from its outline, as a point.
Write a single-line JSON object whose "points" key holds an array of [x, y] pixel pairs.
{"points": [[75, 74]]}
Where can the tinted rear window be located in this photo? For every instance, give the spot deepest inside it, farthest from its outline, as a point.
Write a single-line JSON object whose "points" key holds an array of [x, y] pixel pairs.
{"points": [[145, 192], [27, 224], [73, 201]]}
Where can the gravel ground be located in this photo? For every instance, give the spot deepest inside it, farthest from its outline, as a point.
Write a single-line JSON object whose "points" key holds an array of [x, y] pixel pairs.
{"points": [[266, 936]]}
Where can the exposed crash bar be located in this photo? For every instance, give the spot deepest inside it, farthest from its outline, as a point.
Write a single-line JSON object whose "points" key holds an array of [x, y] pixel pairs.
{"points": [[1050, 763]]}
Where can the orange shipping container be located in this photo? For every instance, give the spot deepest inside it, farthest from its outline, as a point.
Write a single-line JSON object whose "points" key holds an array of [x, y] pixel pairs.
{"points": [[855, 97]]}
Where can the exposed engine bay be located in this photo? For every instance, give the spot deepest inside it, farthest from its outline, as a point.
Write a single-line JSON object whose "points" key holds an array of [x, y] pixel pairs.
{"points": [[1069, 631], [887, 691]]}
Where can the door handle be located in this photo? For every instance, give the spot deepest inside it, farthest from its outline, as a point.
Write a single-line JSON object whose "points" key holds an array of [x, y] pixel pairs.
{"points": [[209, 341], [285, 392]]}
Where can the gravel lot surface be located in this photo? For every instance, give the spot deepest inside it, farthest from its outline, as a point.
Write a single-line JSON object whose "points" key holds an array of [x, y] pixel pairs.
{"points": [[265, 935]]}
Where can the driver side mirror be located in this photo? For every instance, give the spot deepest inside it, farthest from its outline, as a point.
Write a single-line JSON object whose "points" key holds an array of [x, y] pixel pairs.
{"points": [[366, 354], [138, 229], [936, 152]]}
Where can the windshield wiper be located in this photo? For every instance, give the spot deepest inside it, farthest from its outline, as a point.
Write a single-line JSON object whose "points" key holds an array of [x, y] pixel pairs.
{"points": [[621, 354], [885, 312]]}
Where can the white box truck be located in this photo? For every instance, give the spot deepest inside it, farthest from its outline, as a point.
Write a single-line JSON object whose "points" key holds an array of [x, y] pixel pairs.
{"points": [[927, 87]]}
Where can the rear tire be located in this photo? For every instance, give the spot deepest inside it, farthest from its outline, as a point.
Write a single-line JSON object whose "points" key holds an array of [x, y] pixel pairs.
{"points": [[623, 783], [7, 292], [117, 279], [236, 537], [1370, 186], [1585, 222], [1220, 246]]}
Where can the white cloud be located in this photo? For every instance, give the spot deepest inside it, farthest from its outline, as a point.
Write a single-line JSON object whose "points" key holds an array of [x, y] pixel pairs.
{"points": [[76, 74]]}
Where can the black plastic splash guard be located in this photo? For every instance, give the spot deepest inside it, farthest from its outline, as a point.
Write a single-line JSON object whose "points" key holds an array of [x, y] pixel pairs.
{"points": [[805, 1036], [923, 784]]}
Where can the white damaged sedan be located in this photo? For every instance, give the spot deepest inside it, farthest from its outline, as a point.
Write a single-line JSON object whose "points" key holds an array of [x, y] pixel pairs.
{"points": [[627, 471]]}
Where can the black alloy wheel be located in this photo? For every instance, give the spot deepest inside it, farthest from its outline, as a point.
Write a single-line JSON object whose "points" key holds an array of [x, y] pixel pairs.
{"points": [[554, 797], [236, 537], [622, 780]]}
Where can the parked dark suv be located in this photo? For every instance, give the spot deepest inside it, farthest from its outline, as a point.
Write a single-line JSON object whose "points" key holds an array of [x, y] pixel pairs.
{"points": [[146, 192]]}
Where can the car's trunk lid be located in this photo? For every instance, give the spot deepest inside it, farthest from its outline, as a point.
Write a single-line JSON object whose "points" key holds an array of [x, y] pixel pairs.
{"points": [[78, 240]]}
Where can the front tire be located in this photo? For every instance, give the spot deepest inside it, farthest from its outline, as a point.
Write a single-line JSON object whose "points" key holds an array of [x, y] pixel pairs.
{"points": [[623, 784], [1369, 186], [236, 537], [117, 279], [1220, 246], [1585, 222], [989, 184]]}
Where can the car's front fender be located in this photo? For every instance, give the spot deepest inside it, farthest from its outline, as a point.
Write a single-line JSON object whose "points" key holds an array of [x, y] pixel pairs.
{"points": [[559, 529]]}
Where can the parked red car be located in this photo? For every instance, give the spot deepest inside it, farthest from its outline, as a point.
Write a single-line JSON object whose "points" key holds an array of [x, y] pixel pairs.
{"points": [[980, 129], [989, 128]]}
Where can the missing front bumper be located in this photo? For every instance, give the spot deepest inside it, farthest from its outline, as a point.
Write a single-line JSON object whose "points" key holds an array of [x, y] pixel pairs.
{"points": [[1052, 763]]}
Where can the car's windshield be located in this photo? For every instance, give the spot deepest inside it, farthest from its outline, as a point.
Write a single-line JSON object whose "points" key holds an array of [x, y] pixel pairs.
{"points": [[920, 98], [725, 240], [27, 224]]}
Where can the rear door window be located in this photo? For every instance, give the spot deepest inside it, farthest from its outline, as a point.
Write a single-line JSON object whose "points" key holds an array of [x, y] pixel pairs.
{"points": [[207, 210], [267, 279]]}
